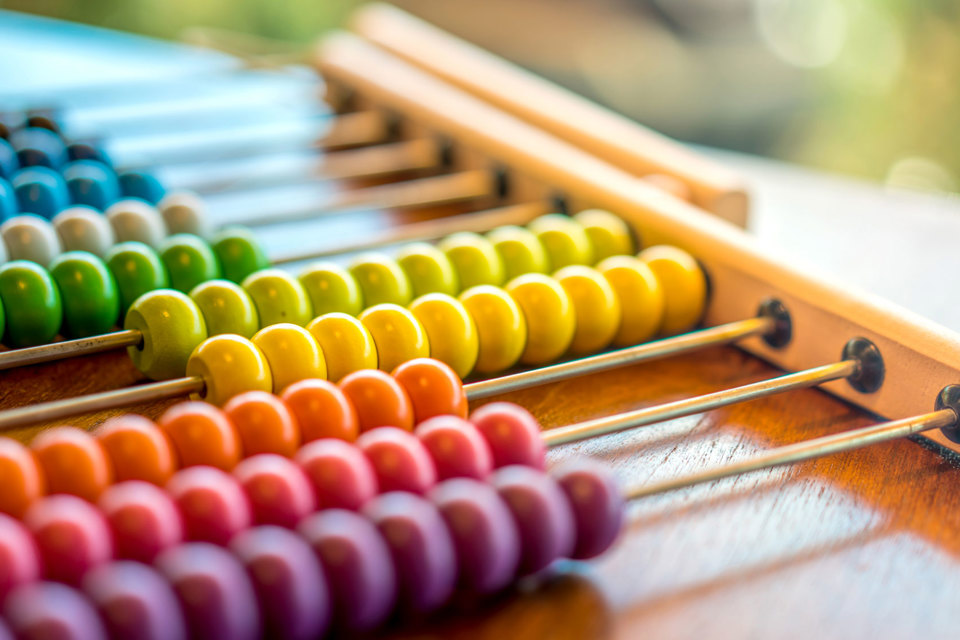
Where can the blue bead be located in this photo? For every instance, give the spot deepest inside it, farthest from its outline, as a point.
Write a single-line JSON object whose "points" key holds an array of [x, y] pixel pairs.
{"points": [[89, 151], [137, 184], [91, 183], [39, 148], [41, 190], [8, 201], [9, 163]]}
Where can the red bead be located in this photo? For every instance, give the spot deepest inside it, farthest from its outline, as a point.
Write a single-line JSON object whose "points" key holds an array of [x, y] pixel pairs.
{"points": [[213, 505], [264, 423], [322, 410], [138, 449], [23, 480], [399, 459], [73, 462], [202, 434], [433, 387], [72, 535], [143, 517], [19, 556], [597, 505], [512, 433], [341, 475], [378, 399], [278, 490], [456, 447]]}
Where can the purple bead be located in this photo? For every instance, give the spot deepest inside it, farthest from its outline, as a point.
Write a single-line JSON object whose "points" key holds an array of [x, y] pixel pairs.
{"points": [[400, 461], [214, 591], [541, 512], [358, 566], [288, 579], [598, 506], [19, 556], [512, 433], [279, 491], [421, 547], [135, 602], [483, 531], [5, 633], [46, 610], [456, 446], [72, 535], [340, 473]]}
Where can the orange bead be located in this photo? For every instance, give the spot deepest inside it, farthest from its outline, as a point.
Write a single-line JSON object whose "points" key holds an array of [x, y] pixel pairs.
{"points": [[73, 462], [433, 388], [264, 424], [378, 399], [23, 480], [202, 434], [322, 410], [138, 449]]}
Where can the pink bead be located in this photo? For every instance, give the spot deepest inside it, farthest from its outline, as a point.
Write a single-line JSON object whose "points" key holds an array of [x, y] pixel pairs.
{"points": [[456, 447], [278, 490], [213, 505], [44, 610], [597, 504], [399, 459], [72, 535], [135, 602], [19, 556], [512, 434], [340, 473], [143, 518]]}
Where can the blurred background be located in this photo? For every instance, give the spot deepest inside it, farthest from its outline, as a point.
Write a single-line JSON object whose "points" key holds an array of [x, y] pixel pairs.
{"points": [[866, 88]]}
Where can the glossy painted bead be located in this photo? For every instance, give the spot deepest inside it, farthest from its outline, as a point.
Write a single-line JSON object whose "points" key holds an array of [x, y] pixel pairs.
{"points": [[34, 609], [549, 314], [88, 150], [264, 423], [137, 449], [171, 326], [9, 163], [609, 234], [457, 448], [136, 221], [512, 434], [450, 330], [229, 366], [428, 269], [239, 253], [73, 462], [84, 229], [292, 353], [396, 333], [346, 344], [278, 490], [381, 280], [142, 185], [378, 399], [340, 474], [23, 480], [321, 410], [474, 259], [30, 237], [39, 147], [433, 387], [91, 303], [201, 435], [597, 504], [136, 269], [596, 307], [565, 240], [520, 251], [91, 183], [212, 503], [185, 212], [19, 556], [135, 602], [279, 297], [143, 519], [9, 207], [641, 298], [684, 286], [31, 303], [40, 191], [48, 118], [226, 308], [501, 327], [331, 289], [399, 460], [189, 260], [71, 535]]}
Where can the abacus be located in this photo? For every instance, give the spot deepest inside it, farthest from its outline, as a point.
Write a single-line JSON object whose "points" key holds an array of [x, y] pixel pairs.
{"points": [[333, 473]]}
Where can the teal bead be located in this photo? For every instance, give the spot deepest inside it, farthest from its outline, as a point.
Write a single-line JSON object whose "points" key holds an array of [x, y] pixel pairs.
{"points": [[226, 308], [239, 252], [91, 304], [189, 261], [136, 269], [32, 303]]}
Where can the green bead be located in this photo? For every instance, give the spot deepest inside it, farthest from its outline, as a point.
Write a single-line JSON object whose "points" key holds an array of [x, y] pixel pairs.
{"points": [[565, 241], [91, 304], [381, 280], [428, 269], [32, 302], [331, 289], [172, 326], [226, 308], [474, 259], [278, 297], [136, 269], [239, 252], [189, 261], [519, 250], [3, 320], [609, 234]]}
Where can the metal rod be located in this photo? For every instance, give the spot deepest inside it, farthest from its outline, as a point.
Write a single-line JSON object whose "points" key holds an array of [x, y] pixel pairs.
{"points": [[698, 404], [69, 348]]}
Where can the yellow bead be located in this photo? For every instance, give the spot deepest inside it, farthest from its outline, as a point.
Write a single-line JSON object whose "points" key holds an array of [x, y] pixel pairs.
{"points": [[381, 280], [520, 251], [549, 314], [640, 295], [428, 269], [397, 334], [450, 331], [684, 286], [331, 289], [346, 344], [474, 259], [596, 307], [226, 308], [229, 365], [292, 353], [564, 240], [279, 297], [501, 327], [609, 234]]}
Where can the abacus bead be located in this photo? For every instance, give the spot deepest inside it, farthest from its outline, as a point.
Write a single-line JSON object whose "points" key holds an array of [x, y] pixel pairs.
{"points": [[321, 410], [609, 235], [30, 237], [138, 184], [564, 240], [279, 297], [9, 163], [38, 147], [135, 602], [474, 259], [91, 305], [137, 449], [640, 295], [73, 462], [428, 269], [399, 459], [292, 352], [239, 252], [33, 610], [520, 251], [229, 365], [381, 280], [512, 434], [23, 481], [357, 565], [597, 504], [88, 150], [548, 311], [596, 307], [378, 399], [31, 302], [346, 344], [19, 556], [71, 534], [339, 472], [501, 327], [189, 261], [684, 286], [331, 289], [456, 448], [396, 333], [184, 212], [421, 548], [83, 229], [216, 596], [264, 423], [143, 519], [45, 118], [136, 221], [226, 308], [291, 588], [91, 183], [40, 191], [202, 435], [212, 503], [278, 490], [450, 331], [9, 207], [433, 387], [172, 327], [136, 269]]}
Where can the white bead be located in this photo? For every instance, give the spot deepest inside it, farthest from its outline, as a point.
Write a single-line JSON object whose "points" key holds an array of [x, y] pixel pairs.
{"points": [[185, 212], [138, 221], [84, 229], [30, 237]]}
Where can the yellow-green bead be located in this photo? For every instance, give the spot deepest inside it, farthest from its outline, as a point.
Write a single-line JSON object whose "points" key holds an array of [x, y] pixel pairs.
{"points": [[397, 335], [381, 280], [474, 259], [331, 289], [609, 234], [226, 308], [501, 327], [519, 250], [640, 295], [684, 286], [229, 365], [564, 240], [428, 269], [450, 330], [596, 306], [172, 326], [549, 314], [346, 344], [292, 353], [278, 297]]}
